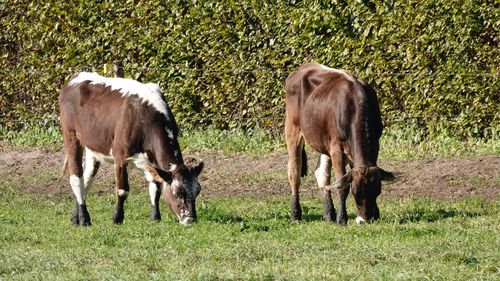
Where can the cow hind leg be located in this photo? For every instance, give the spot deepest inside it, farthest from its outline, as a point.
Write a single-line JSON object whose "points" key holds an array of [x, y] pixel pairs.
{"points": [[122, 190], [90, 170], [295, 144], [323, 176], [154, 194], [74, 154]]}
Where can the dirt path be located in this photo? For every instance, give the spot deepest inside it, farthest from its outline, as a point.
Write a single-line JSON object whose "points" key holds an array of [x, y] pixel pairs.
{"points": [[37, 170]]}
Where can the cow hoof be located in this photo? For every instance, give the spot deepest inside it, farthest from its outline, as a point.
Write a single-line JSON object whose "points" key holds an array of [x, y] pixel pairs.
{"points": [[75, 220], [342, 219], [155, 217], [296, 215], [86, 223], [155, 214], [82, 217], [118, 218], [329, 218]]}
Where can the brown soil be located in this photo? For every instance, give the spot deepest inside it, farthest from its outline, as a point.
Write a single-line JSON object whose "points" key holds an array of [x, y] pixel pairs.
{"points": [[37, 171]]}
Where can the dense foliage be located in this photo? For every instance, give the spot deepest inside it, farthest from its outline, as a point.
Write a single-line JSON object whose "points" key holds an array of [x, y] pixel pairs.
{"points": [[225, 62]]}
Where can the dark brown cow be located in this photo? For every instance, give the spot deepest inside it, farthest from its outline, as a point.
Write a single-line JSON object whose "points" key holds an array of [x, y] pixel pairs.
{"points": [[338, 115], [125, 122]]}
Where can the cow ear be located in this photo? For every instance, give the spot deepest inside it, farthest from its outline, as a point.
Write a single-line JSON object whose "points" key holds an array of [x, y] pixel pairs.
{"points": [[386, 176], [196, 170], [342, 183], [165, 175]]}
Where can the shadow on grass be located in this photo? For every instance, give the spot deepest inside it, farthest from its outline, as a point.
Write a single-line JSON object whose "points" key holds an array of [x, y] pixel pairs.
{"points": [[420, 215]]}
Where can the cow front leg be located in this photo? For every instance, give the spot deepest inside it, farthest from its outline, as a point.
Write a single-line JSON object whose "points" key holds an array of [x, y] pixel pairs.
{"points": [[342, 215], [323, 176], [154, 194], [338, 163], [376, 212], [122, 189]]}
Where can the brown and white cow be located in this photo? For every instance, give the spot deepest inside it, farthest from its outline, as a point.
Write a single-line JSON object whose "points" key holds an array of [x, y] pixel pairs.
{"points": [[338, 115], [128, 123]]}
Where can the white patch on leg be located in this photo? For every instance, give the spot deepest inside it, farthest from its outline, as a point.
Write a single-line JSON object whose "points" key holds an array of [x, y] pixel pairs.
{"points": [[121, 192], [77, 187], [88, 173], [153, 188], [324, 171]]}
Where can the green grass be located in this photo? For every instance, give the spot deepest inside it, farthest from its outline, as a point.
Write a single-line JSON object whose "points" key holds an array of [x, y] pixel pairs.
{"points": [[397, 143], [242, 238], [247, 239]]}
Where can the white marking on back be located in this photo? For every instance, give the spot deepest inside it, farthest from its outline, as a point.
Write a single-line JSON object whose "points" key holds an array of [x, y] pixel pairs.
{"points": [[340, 71], [324, 171], [149, 93]]}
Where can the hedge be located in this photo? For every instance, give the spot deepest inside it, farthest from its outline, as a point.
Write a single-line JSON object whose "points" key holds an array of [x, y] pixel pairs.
{"points": [[223, 63]]}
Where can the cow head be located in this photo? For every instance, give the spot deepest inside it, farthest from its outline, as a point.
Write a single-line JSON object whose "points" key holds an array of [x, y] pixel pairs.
{"points": [[365, 185], [180, 189]]}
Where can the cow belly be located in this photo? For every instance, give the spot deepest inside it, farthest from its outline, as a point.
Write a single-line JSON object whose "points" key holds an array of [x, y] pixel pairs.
{"points": [[139, 161], [316, 139], [99, 157]]}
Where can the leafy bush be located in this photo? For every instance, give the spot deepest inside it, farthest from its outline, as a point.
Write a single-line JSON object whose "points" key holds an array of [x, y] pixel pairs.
{"points": [[224, 63]]}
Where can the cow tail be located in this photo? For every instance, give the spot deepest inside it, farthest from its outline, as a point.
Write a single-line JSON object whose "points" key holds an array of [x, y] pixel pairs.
{"points": [[303, 171], [63, 171]]}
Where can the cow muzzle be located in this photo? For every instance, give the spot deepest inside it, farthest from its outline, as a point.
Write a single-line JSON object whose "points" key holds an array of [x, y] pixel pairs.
{"points": [[361, 220], [187, 220]]}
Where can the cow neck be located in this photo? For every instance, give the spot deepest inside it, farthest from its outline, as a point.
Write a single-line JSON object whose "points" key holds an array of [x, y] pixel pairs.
{"points": [[168, 155], [361, 140]]}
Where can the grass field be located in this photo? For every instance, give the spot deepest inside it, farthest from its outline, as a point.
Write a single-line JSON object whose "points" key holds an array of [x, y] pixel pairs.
{"points": [[244, 237], [240, 238]]}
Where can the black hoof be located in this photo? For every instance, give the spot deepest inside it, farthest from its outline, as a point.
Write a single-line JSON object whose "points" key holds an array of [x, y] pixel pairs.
{"points": [[83, 216], [342, 219], [155, 214], [118, 217], [295, 211], [329, 217], [296, 215], [75, 217], [155, 217]]}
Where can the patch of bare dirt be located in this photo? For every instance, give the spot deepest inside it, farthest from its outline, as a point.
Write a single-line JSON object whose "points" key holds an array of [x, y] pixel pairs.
{"points": [[37, 171]]}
